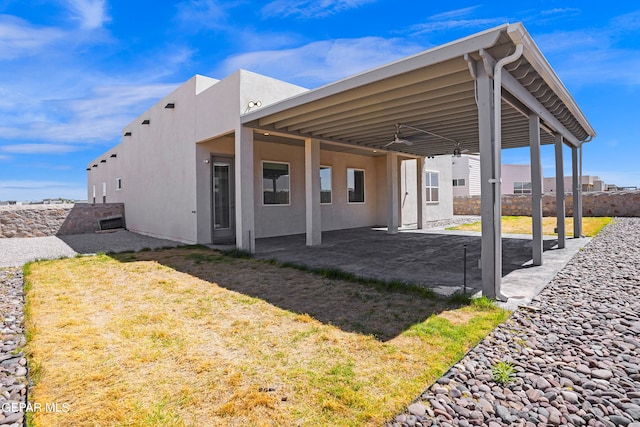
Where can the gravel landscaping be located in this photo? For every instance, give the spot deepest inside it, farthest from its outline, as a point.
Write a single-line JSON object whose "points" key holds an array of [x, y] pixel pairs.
{"points": [[575, 351], [13, 370], [16, 252]]}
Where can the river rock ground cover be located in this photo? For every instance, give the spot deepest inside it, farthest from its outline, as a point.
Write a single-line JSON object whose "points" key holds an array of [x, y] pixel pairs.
{"points": [[575, 351]]}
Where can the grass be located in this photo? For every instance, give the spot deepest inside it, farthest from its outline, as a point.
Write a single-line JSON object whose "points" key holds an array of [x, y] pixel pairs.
{"points": [[503, 372], [591, 226], [165, 338]]}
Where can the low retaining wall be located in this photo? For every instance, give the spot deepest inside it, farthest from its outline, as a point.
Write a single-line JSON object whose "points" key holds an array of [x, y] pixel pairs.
{"points": [[51, 220], [615, 203]]}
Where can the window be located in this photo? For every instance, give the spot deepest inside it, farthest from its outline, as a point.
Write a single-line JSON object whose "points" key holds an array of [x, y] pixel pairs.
{"points": [[104, 189], [521, 187], [459, 182], [325, 185], [275, 183], [431, 183], [355, 185], [118, 184], [94, 191]]}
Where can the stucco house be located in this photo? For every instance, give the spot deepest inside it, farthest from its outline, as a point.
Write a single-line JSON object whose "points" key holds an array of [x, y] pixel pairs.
{"points": [[250, 156], [589, 183], [175, 170]]}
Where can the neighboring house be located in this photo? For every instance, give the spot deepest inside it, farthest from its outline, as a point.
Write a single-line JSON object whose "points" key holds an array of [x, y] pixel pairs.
{"points": [[589, 183], [516, 179], [466, 175], [175, 170]]}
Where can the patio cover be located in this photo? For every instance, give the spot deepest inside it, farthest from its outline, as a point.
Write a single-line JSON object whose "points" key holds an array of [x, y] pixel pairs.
{"points": [[448, 91]]}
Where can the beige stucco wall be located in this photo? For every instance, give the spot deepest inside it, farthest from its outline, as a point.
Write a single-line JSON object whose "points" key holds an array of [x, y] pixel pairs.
{"points": [[277, 220], [165, 166], [165, 182], [156, 165]]}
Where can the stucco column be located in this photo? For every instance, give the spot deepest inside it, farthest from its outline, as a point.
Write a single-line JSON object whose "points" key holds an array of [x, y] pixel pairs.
{"points": [[536, 187], [577, 193], [312, 191], [392, 193], [245, 220], [560, 211], [420, 192], [491, 244]]}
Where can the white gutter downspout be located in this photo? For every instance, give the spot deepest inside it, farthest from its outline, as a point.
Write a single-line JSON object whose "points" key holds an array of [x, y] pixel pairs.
{"points": [[497, 179]]}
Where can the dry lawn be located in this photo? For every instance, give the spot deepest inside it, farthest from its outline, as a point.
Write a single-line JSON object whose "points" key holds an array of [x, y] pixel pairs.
{"points": [[591, 226], [188, 337]]}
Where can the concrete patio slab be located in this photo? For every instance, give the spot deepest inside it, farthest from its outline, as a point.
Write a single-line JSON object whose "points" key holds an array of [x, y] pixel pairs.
{"points": [[430, 258]]}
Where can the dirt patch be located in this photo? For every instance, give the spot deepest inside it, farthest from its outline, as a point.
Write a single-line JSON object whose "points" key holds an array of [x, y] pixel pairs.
{"points": [[457, 317]]}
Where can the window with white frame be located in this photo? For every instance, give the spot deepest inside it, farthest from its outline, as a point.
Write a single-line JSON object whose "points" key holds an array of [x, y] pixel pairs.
{"points": [[460, 182], [275, 183], [431, 182], [521, 187], [355, 185], [325, 185], [118, 184], [104, 188]]}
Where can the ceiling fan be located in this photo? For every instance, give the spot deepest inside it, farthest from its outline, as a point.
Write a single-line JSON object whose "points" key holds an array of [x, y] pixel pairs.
{"points": [[398, 139]]}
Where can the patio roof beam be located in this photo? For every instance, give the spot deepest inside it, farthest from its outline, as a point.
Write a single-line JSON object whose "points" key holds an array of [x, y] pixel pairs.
{"points": [[527, 99], [406, 114], [385, 123], [442, 69], [431, 89], [379, 110]]}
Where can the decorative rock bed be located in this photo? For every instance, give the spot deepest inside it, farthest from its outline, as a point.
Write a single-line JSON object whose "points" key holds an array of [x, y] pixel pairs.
{"points": [[13, 364], [575, 351]]}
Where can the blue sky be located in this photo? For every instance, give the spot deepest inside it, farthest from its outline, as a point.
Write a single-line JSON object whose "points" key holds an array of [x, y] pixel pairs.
{"points": [[73, 73]]}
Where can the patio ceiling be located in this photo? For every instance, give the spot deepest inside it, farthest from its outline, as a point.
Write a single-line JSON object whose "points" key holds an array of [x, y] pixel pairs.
{"points": [[434, 91]]}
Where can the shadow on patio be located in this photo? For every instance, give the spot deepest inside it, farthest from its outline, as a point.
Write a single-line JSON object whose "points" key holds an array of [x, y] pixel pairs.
{"points": [[433, 259]]}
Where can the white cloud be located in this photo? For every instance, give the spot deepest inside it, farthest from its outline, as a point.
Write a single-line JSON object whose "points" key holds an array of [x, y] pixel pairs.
{"points": [[627, 22], [453, 13], [454, 24], [454, 20], [202, 13], [92, 14], [560, 11], [591, 57], [323, 61], [18, 38], [310, 8], [97, 117], [30, 190], [39, 148]]}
